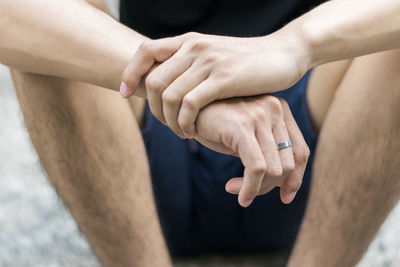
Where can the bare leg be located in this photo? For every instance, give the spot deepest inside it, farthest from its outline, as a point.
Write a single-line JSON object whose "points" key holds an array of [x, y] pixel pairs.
{"points": [[97, 162], [321, 89], [355, 176]]}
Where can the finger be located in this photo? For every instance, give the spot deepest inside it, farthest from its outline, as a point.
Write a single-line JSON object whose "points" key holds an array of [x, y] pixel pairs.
{"points": [[273, 175], [286, 154], [147, 54], [301, 153], [175, 92], [255, 167], [267, 144], [291, 185], [161, 77], [203, 94], [279, 165], [233, 185]]}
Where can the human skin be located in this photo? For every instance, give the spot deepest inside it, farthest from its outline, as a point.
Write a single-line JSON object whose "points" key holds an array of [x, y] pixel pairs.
{"points": [[76, 129], [252, 121], [342, 217], [355, 180], [51, 104], [198, 69], [72, 39], [105, 184], [81, 139], [84, 44]]}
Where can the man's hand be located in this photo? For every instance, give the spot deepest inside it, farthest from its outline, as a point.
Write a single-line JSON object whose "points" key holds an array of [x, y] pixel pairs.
{"points": [[197, 69], [250, 128]]}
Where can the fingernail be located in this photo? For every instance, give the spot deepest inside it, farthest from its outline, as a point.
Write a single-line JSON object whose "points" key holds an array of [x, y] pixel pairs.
{"points": [[290, 197], [123, 89], [247, 202]]}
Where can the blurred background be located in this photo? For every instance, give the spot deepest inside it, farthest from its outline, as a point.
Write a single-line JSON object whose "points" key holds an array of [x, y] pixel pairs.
{"points": [[36, 229]]}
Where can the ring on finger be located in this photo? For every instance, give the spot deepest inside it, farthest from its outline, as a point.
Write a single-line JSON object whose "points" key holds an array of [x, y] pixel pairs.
{"points": [[284, 144]]}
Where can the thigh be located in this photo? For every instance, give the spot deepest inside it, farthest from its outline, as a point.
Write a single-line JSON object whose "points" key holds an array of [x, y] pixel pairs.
{"points": [[355, 176], [326, 79], [90, 145], [321, 89]]}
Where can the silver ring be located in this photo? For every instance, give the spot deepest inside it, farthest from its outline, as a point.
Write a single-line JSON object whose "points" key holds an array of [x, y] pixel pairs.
{"points": [[284, 144]]}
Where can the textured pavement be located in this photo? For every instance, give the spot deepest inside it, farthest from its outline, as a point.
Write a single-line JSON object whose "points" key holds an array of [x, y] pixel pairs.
{"points": [[36, 230]]}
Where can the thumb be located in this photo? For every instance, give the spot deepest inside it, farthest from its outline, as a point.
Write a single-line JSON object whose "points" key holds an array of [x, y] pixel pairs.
{"points": [[148, 53]]}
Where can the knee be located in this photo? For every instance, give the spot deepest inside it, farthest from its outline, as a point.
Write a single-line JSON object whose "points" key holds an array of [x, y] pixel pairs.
{"points": [[385, 65]]}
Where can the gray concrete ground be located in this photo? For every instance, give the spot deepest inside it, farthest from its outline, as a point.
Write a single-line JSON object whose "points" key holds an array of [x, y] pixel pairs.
{"points": [[36, 229]]}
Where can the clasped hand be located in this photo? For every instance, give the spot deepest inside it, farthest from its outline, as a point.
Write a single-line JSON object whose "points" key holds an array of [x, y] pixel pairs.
{"points": [[186, 73]]}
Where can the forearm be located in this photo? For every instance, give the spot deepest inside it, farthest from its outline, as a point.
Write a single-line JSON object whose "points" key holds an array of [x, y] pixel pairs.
{"points": [[65, 38], [342, 29]]}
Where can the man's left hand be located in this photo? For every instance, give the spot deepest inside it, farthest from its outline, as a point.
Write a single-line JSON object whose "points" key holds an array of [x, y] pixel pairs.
{"points": [[251, 128]]}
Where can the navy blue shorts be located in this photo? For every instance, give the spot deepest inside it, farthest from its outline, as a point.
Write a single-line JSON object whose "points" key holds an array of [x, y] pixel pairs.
{"points": [[197, 214]]}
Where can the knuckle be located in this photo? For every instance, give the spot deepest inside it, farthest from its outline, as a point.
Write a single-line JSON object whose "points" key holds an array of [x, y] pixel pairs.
{"points": [[252, 122], [306, 151], [185, 125], [155, 84], [288, 166], [275, 171], [303, 155], [146, 47], [303, 158], [223, 74], [252, 191], [294, 184], [258, 169], [170, 98], [199, 45], [259, 114], [209, 59], [244, 123], [191, 35], [275, 104], [190, 102]]}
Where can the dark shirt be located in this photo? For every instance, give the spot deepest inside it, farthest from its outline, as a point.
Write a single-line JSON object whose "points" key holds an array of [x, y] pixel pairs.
{"points": [[161, 18]]}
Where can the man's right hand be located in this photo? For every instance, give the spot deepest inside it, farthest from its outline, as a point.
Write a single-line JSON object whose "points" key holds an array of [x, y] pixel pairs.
{"points": [[251, 128], [197, 69]]}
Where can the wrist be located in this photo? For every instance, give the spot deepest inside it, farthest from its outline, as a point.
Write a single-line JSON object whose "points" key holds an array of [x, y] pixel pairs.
{"points": [[302, 43], [312, 37], [294, 46], [321, 41]]}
